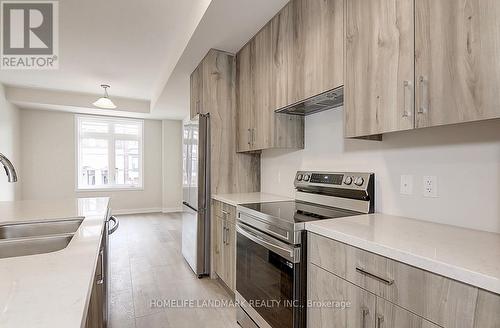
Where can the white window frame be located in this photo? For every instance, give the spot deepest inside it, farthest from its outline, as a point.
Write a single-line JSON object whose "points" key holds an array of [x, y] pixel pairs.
{"points": [[111, 137]]}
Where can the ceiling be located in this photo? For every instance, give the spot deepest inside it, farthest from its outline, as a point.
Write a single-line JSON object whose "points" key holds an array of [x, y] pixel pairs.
{"points": [[227, 25], [145, 49]]}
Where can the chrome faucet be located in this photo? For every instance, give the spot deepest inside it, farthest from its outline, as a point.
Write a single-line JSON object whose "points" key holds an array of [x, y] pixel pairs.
{"points": [[9, 168]]}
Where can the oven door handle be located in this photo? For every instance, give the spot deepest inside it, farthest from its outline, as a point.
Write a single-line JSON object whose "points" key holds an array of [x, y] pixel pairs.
{"points": [[292, 254]]}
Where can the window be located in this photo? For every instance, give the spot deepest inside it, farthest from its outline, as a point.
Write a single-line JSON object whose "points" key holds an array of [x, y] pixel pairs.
{"points": [[109, 153]]}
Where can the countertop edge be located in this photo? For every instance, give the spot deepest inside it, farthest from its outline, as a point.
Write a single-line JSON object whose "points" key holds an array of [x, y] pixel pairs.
{"points": [[466, 276], [90, 286], [245, 198]]}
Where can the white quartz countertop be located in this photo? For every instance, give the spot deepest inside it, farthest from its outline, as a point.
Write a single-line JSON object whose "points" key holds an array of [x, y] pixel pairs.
{"points": [[53, 289], [469, 256], [248, 198]]}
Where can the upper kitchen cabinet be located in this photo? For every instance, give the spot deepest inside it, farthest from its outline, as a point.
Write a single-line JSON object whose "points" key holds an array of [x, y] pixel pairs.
{"points": [[379, 79], [212, 85], [457, 61], [297, 55], [420, 63], [263, 89], [244, 97], [259, 127], [196, 88], [307, 50], [317, 47], [282, 51]]}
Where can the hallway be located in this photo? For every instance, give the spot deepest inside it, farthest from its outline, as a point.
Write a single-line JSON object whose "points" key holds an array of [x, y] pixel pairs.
{"points": [[146, 265]]}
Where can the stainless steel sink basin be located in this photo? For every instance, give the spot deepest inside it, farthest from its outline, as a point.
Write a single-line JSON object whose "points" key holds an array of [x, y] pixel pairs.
{"points": [[31, 246], [40, 228]]}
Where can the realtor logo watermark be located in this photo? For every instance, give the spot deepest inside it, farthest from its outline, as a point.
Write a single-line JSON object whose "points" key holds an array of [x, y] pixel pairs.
{"points": [[30, 35]]}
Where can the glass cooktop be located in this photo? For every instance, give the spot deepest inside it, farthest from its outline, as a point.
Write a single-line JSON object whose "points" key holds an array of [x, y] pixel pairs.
{"points": [[299, 212]]}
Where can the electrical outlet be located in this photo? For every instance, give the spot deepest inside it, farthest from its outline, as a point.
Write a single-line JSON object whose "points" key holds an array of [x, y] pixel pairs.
{"points": [[406, 187], [430, 185]]}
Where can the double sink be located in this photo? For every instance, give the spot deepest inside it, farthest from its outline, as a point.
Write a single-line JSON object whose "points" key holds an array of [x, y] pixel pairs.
{"points": [[37, 237]]}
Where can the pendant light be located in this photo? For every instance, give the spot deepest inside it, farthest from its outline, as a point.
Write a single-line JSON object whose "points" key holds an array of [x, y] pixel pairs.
{"points": [[104, 102]]}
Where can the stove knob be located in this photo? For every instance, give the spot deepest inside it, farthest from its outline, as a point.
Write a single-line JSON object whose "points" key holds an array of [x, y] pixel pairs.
{"points": [[306, 177], [299, 177], [359, 181], [348, 180]]}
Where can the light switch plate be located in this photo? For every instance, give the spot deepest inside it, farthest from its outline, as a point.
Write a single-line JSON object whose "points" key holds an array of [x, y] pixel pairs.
{"points": [[406, 187], [430, 186]]}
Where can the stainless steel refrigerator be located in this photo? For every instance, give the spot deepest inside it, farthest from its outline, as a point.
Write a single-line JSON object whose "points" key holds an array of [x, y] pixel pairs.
{"points": [[196, 194]]}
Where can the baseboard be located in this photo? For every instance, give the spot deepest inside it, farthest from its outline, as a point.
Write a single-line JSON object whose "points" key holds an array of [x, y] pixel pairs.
{"points": [[171, 210], [136, 211]]}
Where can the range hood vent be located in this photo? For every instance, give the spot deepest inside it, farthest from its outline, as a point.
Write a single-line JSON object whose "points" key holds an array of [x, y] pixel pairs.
{"points": [[324, 101]]}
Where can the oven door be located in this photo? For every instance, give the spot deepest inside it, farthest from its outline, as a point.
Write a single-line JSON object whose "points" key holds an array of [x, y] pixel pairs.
{"points": [[270, 277]]}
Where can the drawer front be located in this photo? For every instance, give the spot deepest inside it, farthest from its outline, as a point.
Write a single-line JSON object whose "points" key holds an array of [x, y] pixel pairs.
{"points": [[229, 212], [224, 211], [217, 208], [441, 300]]}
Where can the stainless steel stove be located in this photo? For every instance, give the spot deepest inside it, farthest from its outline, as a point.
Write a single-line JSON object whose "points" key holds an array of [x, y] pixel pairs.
{"points": [[272, 244]]}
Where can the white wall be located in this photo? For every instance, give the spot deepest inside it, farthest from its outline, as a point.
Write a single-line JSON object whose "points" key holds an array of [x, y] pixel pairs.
{"points": [[465, 158], [172, 165], [9, 146], [48, 165]]}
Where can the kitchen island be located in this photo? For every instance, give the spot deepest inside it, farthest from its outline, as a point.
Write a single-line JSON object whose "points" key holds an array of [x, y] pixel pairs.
{"points": [[52, 289]]}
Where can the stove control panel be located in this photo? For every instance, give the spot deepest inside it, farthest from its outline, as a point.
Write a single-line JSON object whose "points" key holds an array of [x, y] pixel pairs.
{"points": [[344, 180]]}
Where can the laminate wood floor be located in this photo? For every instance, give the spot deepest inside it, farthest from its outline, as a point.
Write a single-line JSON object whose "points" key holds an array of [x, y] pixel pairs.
{"points": [[146, 265]]}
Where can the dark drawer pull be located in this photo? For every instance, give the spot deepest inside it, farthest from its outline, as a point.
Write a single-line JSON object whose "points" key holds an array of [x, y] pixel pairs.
{"points": [[371, 275]]}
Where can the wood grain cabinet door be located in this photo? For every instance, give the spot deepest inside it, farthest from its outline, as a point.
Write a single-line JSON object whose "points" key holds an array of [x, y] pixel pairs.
{"points": [[219, 247], [487, 311], [244, 97], [457, 61], [392, 316], [263, 127], [379, 70], [324, 288], [318, 47], [282, 26], [230, 256], [196, 91]]}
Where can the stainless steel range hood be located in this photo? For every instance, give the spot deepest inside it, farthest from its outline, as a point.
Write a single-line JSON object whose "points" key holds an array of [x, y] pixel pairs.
{"points": [[324, 101]]}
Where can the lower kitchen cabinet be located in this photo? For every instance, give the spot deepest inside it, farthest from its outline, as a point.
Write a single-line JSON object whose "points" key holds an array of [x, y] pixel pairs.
{"points": [[97, 313], [218, 244], [324, 287], [405, 296], [487, 311], [95, 317], [230, 256], [392, 316], [327, 293], [224, 245]]}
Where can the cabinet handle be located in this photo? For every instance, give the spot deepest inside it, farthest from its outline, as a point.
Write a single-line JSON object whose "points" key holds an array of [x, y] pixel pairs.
{"points": [[364, 314], [406, 87], [374, 276], [227, 236], [253, 136], [422, 109], [380, 321], [100, 279], [224, 233], [249, 137]]}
